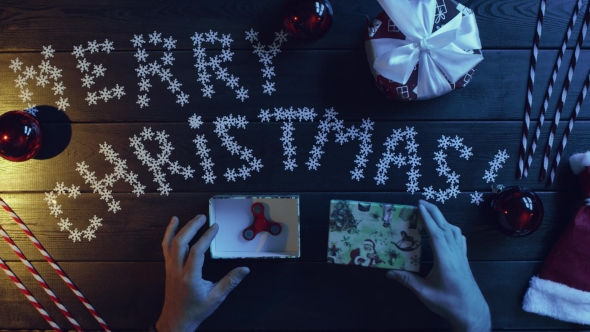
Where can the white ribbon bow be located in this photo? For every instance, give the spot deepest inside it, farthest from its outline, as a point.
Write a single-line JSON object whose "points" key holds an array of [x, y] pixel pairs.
{"points": [[446, 53]]}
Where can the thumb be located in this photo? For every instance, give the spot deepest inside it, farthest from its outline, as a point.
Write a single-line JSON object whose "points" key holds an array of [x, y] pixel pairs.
{"points": [[411, 281], [230, 281]]}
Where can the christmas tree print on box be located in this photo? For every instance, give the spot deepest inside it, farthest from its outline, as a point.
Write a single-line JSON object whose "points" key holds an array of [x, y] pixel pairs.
{"points": [[372, 234]]}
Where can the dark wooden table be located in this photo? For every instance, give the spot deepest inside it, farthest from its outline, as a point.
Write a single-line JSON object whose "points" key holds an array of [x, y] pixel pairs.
{"points": [[121, 270]]}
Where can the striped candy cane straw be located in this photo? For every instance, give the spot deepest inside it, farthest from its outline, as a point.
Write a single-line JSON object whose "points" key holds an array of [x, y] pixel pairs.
{"points": [[53, 264], [552, 79], [529, 91], [568, 131], [566, 85], [28, 295], [40, 280]]}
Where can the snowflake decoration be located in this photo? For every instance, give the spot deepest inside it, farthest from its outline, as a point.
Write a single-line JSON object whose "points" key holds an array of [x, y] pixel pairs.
{"points": [[42, 78], [156, 68], [443, 169], [287, 115], [221, 73], [222, 126], [390, 158], [476, 198], [92, 72], [266, 54], [343, 135], [497, 163], [163, 159], [64, 223], [200, 141]]}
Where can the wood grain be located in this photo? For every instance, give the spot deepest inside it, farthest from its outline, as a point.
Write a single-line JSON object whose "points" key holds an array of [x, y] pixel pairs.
{"points": [[502, 24], [310, 296]]}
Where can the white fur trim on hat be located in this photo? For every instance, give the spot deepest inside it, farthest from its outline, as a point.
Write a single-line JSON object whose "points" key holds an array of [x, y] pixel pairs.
{"points": [[553, 299], [579, 161]]}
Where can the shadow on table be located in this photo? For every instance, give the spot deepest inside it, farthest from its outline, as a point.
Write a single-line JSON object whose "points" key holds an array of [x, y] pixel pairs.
{"points": [[57, 131]]}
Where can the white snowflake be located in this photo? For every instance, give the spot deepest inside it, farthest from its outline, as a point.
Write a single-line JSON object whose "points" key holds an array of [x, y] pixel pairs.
{"points": [[91, 98], [143, 101], [429, 193], [25, 95], [155, 38], [489, 176], [15, 65], [48, 52], [182, 99], [58, 88], [62, 103], [195, 121], [169, 43], [75, 235], [476, 198], [269, 87], [241, 94], [137, 40]]}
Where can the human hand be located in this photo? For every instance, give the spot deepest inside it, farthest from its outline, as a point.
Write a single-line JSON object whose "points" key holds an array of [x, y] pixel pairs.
{"points": [[449, 289], [189, 298]]}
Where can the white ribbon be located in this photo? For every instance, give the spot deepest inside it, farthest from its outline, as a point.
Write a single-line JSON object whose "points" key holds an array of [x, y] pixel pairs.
{"points": [[446, 53]]}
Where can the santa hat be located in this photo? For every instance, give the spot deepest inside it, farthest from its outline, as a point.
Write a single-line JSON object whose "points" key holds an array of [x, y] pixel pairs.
{"points": [[562, 288]]}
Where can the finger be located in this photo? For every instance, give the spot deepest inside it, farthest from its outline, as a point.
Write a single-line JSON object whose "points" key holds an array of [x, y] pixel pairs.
{"points": [[184, 236], [228, 283], [413, 282], [442, 223], [437, 216], [464, 245], [456, 236], [437, 239], [196, 257], [168, 236]]}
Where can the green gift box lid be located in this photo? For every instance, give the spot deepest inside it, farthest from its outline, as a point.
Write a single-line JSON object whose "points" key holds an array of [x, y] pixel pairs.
{"points": [[370, 234]]}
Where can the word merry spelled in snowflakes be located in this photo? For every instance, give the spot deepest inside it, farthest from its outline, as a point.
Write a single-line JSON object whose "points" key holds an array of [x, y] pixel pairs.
{"points": [[161, 165], [147, 69]]}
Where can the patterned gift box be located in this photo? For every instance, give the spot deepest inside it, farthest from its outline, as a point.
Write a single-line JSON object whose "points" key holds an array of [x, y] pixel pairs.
{"points": [[384, 28], [372, 234]]}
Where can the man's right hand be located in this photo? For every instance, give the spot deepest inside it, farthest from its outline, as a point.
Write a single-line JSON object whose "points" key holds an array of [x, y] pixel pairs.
{"points": [[449, 289]]}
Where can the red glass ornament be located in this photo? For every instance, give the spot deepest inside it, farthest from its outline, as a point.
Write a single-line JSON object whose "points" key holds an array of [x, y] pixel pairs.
{"points": [[519, 211], [307, 18], [20, 136]]}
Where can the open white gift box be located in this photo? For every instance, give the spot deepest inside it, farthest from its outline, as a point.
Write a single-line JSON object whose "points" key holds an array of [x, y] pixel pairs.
{"points": [[234, 214]]}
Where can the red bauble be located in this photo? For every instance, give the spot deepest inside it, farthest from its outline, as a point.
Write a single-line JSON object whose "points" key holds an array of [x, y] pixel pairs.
{"points": [[20, 136], [307, 18], [519, 211]]}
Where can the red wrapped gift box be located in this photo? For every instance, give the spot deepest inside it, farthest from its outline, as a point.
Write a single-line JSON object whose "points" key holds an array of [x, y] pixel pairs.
{"points": [[441, 36]]}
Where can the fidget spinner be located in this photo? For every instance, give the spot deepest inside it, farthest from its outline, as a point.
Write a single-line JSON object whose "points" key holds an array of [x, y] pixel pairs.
{"points": [[260, 224]]}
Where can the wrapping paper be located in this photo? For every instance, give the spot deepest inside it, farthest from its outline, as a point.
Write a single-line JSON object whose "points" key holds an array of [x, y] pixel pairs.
{"points": [[369, 234]]}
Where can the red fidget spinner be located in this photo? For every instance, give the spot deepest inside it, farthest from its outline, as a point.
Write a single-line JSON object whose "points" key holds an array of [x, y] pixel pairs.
{"points": [[260, 224]]}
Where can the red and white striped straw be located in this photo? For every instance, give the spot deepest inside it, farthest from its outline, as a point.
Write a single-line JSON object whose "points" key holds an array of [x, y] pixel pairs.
{"points": [[40, 280], [568, 130], [552, 79], [566, 85], [529, 91], [53, 264], [28, 295]]}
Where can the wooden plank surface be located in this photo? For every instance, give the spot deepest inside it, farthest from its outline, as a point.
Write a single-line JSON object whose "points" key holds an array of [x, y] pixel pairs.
{"points": [[74, 22], [309, 296]]}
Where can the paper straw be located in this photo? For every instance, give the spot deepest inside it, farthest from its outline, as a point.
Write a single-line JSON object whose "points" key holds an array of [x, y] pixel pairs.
{"points": [[566, 85], [40, 280], [568, 131], [28, 295], [552, 79], [53, 264], [529, 91]]}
